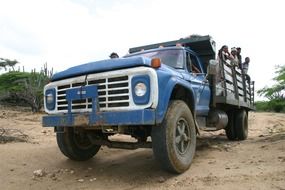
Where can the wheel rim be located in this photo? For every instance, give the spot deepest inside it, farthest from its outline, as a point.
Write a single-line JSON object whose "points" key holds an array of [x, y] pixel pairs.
{"points": [[81, 140], [182, 136]]}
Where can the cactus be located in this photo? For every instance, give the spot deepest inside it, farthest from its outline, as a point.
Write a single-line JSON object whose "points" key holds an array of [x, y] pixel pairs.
{"points": [[26, 87]]}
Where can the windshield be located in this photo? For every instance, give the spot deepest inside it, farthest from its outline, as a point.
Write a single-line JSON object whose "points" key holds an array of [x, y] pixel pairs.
{"points": [[170, 57]]}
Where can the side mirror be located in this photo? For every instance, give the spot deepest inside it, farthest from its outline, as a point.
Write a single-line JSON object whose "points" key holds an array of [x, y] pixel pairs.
{"points": [[213, 67]]}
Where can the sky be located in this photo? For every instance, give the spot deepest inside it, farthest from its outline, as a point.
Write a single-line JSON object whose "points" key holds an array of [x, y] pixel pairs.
{"points": [[65, 33]]}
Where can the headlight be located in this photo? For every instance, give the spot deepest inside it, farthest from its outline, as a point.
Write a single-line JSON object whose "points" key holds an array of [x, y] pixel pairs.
{"points": [[140, 89], [50, 99]]}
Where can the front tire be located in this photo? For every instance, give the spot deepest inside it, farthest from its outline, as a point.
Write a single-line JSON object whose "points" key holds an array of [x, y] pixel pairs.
{"points": [[174, 140], [76, 145]]}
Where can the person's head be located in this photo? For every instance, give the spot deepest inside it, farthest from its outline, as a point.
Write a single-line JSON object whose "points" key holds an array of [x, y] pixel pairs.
{"points": [[225, 48], [114, 55], [238, 50], [247, 59], [233, 51]]}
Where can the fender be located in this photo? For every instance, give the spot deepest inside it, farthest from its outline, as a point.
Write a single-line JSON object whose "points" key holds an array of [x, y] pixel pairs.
{"points": [[166, 84]]}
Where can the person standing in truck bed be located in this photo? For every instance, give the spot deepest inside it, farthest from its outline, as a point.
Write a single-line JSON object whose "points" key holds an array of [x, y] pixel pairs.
{"points": [[245, 65], [234, 57], [239, 58], [224, 54]]}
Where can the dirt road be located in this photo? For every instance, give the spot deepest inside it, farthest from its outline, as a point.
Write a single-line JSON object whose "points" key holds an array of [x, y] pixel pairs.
{"points": [[30, 159]]}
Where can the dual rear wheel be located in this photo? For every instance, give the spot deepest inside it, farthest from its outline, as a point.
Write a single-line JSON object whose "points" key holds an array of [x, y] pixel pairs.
{"points": [[237, 128]]}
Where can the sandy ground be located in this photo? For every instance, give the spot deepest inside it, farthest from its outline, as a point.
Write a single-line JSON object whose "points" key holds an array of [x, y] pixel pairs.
{"points": [[257, 163]]}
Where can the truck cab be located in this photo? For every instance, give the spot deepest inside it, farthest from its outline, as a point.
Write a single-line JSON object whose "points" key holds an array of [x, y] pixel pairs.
{"points": [[160, 94], [188, 68]]}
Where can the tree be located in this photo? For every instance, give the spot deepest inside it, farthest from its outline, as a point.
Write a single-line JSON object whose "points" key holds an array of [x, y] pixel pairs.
{"points": [[275, 94], [4, 63], [277, 91]]}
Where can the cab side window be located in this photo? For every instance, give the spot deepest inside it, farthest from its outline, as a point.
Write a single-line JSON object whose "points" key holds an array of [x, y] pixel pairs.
{"points": [[192, 64], [195, 66]]}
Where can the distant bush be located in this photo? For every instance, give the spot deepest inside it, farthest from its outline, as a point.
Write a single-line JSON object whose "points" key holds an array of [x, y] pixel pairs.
{"points": [[23, 88], [275, 105]]}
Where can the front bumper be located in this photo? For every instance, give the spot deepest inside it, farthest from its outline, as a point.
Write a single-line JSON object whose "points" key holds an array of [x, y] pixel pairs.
{"points": [[134, 117]]}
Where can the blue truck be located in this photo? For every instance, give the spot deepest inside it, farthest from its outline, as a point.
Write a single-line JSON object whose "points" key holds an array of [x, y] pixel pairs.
{"points": [[161, 94]]}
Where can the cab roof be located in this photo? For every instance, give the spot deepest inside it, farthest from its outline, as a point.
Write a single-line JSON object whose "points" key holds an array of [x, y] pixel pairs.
{"points": [[203, 46]]}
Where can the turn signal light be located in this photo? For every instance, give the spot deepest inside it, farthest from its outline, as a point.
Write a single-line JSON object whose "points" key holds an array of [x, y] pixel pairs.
{"points": [[155, 63]]}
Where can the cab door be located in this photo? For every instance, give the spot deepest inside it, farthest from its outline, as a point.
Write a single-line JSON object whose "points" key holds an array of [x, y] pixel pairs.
{"points": [[197, 78]]}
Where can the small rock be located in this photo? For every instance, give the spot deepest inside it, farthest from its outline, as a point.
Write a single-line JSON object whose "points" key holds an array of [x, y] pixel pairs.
{"points": [[71, 171], [161, 179], [211, 162], [281, 158], [261, 136], [93, 179], [57, 171], [51, 175], [39, 173], [90, 168], [12, 170], [66, 170], [80, 180], [44, 131], [228, 168]]}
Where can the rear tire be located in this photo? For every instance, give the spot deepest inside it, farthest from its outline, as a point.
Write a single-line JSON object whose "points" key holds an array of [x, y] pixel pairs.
{"points": [[241, 124], [230, 128], [174, 140], [76, 145]]}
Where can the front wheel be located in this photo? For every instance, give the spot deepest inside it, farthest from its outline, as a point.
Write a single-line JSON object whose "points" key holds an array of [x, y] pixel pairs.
{"points": [[76, 145], [174, 141]]}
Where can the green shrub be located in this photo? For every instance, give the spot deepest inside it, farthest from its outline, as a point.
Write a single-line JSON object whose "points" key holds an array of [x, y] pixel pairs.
{"points": [[23, 87], [275, 105]]}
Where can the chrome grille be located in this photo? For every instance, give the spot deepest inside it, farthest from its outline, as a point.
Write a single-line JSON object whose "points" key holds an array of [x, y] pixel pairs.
{"points": [[113, 92]]}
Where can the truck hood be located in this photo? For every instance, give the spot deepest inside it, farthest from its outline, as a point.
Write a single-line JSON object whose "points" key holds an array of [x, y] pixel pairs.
{"points": [[101, 66]]}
